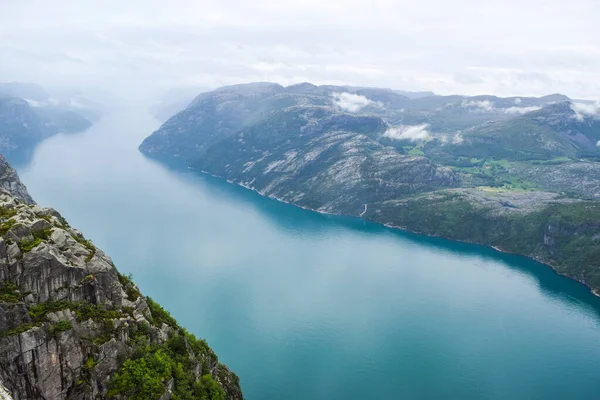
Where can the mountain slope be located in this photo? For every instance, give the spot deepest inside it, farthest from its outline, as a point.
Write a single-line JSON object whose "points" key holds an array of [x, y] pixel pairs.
{"points": [[73, 327], [23, 126], [520, 174]]}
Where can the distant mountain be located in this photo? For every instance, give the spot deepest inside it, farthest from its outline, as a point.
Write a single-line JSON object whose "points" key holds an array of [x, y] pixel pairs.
{"points": [[58, 99], [23, 126], [519, 173], [414, 95], [173, 101], [24, 90]]}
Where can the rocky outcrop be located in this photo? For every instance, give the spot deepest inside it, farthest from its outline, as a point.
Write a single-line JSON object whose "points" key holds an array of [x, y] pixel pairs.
{"points": [[9, 181], [72, 327]]}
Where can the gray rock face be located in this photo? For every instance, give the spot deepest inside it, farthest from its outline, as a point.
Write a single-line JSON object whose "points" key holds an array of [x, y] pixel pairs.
{"points": [[68, 319], [9, 181]]}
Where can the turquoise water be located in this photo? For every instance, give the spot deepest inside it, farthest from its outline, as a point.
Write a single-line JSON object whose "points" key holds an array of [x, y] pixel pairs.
{"points": [[305, 306]]}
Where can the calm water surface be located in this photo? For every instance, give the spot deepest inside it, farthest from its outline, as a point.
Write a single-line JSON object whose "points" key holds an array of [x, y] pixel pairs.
{"points": [[304, 306]]}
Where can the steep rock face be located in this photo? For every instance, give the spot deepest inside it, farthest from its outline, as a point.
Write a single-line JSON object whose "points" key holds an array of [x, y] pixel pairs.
{"points": [[9, 181], [72, 327]]}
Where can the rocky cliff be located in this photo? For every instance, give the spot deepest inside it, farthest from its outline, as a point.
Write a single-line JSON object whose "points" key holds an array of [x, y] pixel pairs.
{"points": [[73, 327]]}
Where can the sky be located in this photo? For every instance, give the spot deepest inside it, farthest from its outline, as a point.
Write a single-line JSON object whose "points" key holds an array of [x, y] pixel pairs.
{"points": [[503, 47]]}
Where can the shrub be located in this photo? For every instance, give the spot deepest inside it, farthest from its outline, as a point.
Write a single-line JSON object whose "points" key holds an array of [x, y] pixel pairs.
{"points": [[59, 327], [39, 311], [127, 281], [98, 313], [160, 315], [43, 234], [5, 226], [9, 293], [27, 245]]}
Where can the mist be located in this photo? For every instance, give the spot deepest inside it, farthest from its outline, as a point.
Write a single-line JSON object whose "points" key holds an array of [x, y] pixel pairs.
{"points": [[139, 49]]}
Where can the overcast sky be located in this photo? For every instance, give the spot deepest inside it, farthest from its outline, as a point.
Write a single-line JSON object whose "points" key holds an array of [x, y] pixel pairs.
{"points": [[503, 47]]}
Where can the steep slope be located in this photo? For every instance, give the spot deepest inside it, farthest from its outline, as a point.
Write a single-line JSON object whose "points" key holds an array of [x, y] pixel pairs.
{"points": [[518, 174], [73, 327]]}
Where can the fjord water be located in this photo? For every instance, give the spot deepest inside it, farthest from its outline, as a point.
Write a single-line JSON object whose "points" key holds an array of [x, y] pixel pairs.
{"points": [[305, 306]]}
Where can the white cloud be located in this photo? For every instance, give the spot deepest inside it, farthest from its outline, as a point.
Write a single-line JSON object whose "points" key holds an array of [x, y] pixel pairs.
{"points": [[143, 45], [521, 110], [479, 105], [350, 101], [598, 143], [412, 133], [583, 110], [457, 138], [518, 101]]}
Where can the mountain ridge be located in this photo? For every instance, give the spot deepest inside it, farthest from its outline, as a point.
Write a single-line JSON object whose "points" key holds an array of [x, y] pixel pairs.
{"points": [[444, 166]]}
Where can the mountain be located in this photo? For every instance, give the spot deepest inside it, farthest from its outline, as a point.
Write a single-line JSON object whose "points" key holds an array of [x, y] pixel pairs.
{"points": [[520, 174], [60, 98], [73, 327], [414, 95], [23, 126], [174, 100]]}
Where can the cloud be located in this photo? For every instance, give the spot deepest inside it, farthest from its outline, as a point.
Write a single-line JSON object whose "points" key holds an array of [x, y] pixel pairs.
{"points": [[457, 138], [598, 143], [351, 102], [583, 110], [412, 133], [153, 45], [518, 101], [479, 105], [521, 110]]}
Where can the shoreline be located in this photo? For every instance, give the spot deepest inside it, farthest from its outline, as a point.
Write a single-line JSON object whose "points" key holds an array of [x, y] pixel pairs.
{"points": [[398, 228]]}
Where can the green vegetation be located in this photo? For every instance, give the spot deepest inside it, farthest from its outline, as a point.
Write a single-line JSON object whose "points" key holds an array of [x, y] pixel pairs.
{"points": [[63, 221], [43, 234], [160, 315], [39, 311], [59, 327], [19, 329], [144, 375], [127, 281], [5, 226], [26, 245], [83, 311], [90, 363], [98, 313], [7, 212], [9, 293]]}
